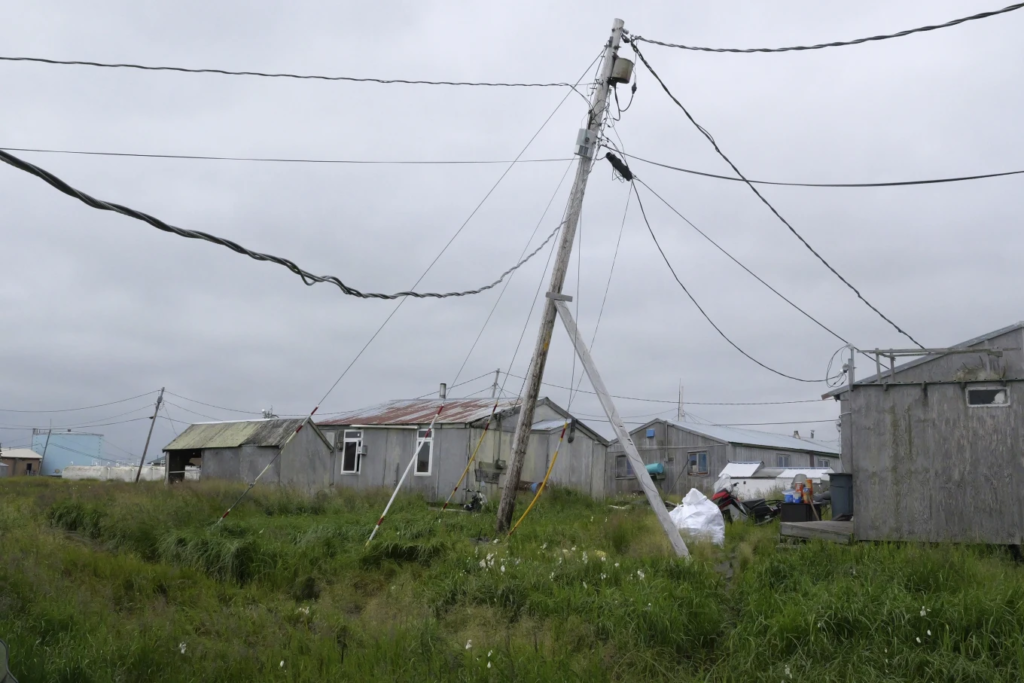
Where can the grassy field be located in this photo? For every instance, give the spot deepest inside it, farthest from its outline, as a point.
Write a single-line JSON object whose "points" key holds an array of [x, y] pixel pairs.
{"points": [[117, 582]]}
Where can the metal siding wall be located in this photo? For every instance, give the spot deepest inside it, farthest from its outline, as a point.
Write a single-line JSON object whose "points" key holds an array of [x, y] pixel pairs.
{"points": [[305, 463], [932, 469]]}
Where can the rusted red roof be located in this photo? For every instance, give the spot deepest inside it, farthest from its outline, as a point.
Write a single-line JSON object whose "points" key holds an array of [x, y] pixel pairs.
{"points": [[421, 412]]}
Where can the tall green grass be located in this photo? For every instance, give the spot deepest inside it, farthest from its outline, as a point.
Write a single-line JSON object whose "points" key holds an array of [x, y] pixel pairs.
{"points": [[118, 582]]}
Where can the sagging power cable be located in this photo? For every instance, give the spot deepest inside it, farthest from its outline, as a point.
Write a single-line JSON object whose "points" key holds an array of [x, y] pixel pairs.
{"points": [[308, 278], [775, 211], [841, 43]]}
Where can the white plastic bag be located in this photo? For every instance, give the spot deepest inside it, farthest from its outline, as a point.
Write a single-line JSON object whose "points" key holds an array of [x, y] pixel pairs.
{"points": [[699, 518]]}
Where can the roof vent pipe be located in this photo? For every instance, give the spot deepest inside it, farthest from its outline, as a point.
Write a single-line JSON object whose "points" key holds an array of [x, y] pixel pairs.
{"points": [[812, 433], [796, 434], [443, 394]]}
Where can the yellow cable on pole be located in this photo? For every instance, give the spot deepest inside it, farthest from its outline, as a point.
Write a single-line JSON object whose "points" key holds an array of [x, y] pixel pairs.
{"points": [[540, 489], [487, 425]]}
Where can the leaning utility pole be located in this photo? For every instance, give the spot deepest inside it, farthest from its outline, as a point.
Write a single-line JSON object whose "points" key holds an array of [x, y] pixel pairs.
{"points": [[495, 387], [159, 400], [680, 413], [587, 143]]}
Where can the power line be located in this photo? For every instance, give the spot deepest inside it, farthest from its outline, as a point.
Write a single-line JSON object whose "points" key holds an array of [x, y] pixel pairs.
{"points": [[819, 46], [261, 74], [700, 308], [210, 405], [737, 262], [187, 410], [893, 183], [452, 239], [761, 424], [765, 201], [308, 278], [71, 410], [282, 160], [692, 403]]}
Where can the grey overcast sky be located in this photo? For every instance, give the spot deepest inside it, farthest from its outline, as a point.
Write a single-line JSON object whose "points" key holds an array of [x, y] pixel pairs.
{"points": [[95, 307]]}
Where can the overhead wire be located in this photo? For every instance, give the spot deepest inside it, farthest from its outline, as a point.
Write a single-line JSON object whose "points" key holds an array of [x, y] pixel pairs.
{"points": [[841, 43], [754, 189], [307, 277], [893, 183], [284, 160], [210, 405], [71, 410], [701, 309], [262, 74]]}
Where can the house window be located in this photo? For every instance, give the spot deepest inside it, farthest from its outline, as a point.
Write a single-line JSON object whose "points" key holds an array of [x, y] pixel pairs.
{"points": [[781, 460], [330, 436], [623, 469], [989, 397], [698, 463], [350, 456], [424, 451]]}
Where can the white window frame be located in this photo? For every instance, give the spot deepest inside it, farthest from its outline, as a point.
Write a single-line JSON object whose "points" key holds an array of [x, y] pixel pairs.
{"points": [[628, 469], [779, 456], [995, 387], [354, 436], [424, 437]]}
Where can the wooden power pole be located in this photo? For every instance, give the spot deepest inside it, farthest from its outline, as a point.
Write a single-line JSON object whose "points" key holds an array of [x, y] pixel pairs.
{"points": [[142, 461], [587, 144]]}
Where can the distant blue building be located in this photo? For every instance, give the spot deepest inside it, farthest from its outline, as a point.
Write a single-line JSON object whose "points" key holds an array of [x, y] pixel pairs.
{"points": [[67, 448]]}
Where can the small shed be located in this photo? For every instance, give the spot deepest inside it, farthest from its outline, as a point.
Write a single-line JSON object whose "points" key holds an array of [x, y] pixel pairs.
{"points": [[20, 461], [373, 446], [238, 451], [692, 454], [934, 445]]}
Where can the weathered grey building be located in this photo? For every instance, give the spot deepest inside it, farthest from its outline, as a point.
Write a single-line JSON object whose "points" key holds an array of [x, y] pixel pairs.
{"points": [[238, 451], [694, 454], [374, 445], [936, 448]]}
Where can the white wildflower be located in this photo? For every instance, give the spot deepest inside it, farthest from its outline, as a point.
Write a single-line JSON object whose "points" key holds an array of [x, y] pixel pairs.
{"points": [[929, 632], [488, 665], [181, 646], [517, 561], [924, 612], [502, 569], [591, 518], [552, 577], [616, 565], [496, 540], [282, 664], [483, 564], [918, 640], [640, 573], [584, 557], [788, 672], [584, 585], [489, 652], [574, 549], [305, 610], [544, 546], [604, 576], [469, 643]]}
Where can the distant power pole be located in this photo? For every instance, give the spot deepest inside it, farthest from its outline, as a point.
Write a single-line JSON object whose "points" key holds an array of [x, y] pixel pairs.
{"points": [[494, 389], [587, 144], [680, 413], [159, 400], [42, 458]]}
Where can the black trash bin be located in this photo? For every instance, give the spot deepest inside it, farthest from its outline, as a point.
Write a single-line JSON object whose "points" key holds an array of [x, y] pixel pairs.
{"points": [[842, 494]]}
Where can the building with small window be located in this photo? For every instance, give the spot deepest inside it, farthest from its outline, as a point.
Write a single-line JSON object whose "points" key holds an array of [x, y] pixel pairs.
{"points": [[935, 446], [20, 461], [692, 455], [239, 451], [373, 446]]}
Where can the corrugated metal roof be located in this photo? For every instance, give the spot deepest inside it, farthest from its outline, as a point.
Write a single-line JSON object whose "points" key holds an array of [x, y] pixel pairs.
{"points": [[233, 434], [547, 425], [924, 359], [749, 437], [421, 412], [22, 453]]}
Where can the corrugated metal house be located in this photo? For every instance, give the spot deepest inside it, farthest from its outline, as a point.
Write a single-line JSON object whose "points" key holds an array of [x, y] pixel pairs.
{"points": [[694, 454], [373, 446], [935, 448], [238, 451], [20, 461]]}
